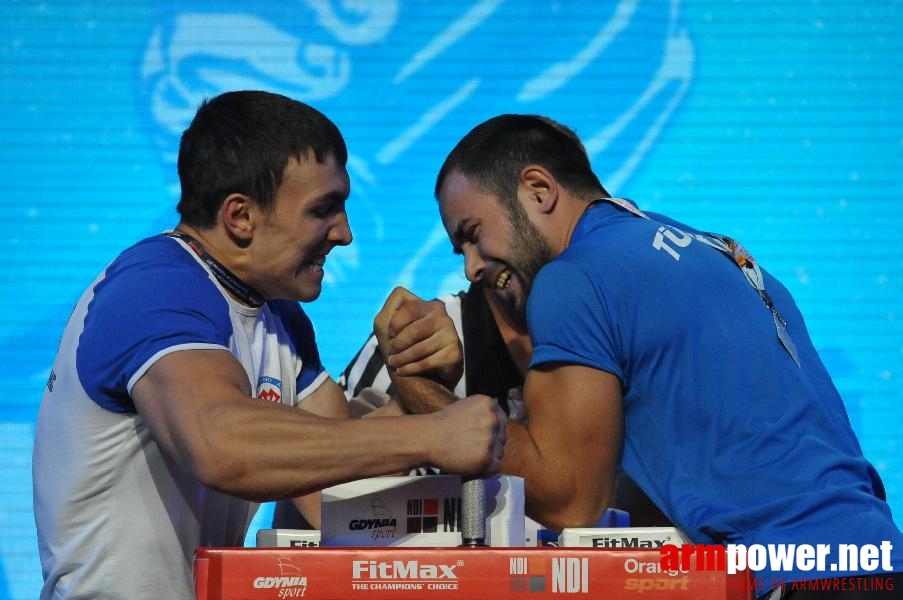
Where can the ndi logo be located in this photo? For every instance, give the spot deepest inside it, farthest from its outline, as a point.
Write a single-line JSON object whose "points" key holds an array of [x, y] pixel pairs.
{"points": [[570, 575], [527, 574], [423, 515]]}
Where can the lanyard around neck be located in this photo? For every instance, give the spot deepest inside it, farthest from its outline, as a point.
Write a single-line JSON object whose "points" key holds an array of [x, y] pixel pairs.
{"points": [[241, 290], [741, 257]]}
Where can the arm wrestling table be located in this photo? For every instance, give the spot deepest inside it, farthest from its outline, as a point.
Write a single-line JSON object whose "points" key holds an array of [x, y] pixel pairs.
{"points": [[399, 538], [454, 574]]}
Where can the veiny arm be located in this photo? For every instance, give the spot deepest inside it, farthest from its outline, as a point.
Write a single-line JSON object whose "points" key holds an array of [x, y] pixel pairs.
{"points": [[198, 407], [567, 451]]}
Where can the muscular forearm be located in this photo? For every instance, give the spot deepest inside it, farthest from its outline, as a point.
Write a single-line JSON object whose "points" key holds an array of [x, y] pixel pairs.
{"points": [[263, 453], [420, 395], [555, 492], [197, 407]]}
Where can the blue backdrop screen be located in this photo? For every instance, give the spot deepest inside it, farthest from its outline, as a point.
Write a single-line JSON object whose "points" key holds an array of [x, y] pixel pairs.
{"points": [[778, 123]]}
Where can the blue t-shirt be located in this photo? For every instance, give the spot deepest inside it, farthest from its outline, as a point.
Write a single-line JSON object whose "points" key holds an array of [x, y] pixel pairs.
{"points": [[722, 430]]}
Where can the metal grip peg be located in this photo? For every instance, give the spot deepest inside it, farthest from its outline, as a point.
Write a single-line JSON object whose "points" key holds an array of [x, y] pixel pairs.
{"points": [[473, 512]]}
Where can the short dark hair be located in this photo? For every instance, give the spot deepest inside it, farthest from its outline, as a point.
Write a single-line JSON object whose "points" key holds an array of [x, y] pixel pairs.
{"points": [[241, 142], [494, 152]]}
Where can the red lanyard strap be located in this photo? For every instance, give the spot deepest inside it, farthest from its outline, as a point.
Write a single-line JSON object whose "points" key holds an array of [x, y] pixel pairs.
{"points": [[741, 257], [244, 292]]}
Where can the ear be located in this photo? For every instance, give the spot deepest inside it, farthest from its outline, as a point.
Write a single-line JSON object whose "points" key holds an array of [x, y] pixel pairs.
{"points": [[537, 189], [236, 216]]}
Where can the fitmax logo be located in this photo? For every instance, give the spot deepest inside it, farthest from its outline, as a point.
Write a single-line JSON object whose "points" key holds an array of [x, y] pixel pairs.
{"points": [[399, 569], [625, 542]]}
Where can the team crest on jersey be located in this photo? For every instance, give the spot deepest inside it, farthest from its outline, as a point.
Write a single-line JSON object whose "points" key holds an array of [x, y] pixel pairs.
{"points": [[269, 388]]}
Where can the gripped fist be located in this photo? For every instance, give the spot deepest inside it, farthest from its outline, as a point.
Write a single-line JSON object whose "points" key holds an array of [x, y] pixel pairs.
{"points": [[417, 337], [471, 438]]}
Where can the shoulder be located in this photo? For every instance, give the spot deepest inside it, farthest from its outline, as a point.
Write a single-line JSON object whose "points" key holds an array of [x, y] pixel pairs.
{"points": [[152, 281], [152, 299], [549, 311], [161, 267], [161, 250], [572, 271]]}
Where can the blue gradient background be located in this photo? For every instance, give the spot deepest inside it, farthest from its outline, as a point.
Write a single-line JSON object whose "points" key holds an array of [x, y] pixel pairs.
{"points": [[778, 123]]}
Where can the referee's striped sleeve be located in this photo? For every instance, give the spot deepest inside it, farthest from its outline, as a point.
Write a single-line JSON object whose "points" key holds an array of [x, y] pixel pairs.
{"points": [[367, 369]]}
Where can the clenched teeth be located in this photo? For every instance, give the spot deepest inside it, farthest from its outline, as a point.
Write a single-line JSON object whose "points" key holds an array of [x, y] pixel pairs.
{"points": [[503, 280], [316, 264]]}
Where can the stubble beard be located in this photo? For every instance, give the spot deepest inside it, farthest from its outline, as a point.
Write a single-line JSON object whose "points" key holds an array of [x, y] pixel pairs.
{"points": [[530, 252]]}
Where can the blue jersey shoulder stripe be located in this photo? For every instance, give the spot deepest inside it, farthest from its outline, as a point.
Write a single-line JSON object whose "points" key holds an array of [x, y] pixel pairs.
{"points": [[153, 297]]}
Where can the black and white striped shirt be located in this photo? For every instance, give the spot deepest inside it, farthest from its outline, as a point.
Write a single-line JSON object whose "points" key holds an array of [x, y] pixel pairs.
{"points": [[488, 367]]}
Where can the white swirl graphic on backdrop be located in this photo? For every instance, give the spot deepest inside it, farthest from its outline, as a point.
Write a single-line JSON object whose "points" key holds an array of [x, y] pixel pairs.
{"points": [[205, 54], [405, 80]]}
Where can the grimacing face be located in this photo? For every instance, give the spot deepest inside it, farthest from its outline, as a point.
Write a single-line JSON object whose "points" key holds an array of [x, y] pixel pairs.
{"points": [[502, 248], [306, 221]]}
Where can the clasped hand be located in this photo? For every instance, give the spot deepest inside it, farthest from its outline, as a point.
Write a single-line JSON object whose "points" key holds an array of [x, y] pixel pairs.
{"points": [[417, 337]]}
